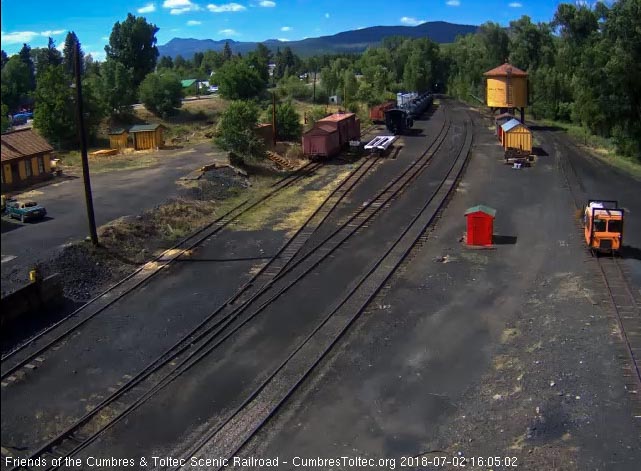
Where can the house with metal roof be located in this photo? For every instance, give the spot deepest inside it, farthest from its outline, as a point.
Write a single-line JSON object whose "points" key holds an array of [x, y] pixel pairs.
{"points": [[26, 159], [516, 135]]}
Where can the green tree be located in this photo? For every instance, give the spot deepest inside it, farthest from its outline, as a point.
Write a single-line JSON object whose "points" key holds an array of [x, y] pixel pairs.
{"points": [[259, 60], [161, 93], [166, 62], [236, 130], [497, 43], [227, 53], [14, 83], [46, 56], [133, 43], [237, 80], [4, 118], [116, 88], [68, 53], [288, 126], [55, 114], [25, 57], [3, 58]]}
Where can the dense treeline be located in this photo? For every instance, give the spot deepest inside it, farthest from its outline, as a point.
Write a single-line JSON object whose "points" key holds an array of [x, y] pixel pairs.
{"points": [[584, 66]]}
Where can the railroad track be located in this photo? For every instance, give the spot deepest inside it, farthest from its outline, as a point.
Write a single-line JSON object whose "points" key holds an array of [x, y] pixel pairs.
{"points": [[229, 438], [138, 389], [19, 357], [16, 359], [625, 307]]}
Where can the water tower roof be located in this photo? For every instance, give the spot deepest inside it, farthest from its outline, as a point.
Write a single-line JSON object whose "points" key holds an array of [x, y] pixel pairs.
{"points": [[504, 70]]}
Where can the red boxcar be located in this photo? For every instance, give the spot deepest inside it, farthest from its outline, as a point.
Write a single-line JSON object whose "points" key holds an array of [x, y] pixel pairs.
{"points": [[346, 125], [377, 113], [321, 141]]}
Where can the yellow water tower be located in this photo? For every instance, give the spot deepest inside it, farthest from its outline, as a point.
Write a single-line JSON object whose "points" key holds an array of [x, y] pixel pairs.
{"points": [[507, 89]]}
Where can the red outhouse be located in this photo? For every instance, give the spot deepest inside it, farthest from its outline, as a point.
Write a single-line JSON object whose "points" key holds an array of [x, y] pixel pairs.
{"points": [[480, 225]]}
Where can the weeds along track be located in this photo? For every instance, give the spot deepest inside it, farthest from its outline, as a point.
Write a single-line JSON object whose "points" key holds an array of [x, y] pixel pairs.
{"points": [[625, 307], [245, 421], [37, 345], [199, 342]]}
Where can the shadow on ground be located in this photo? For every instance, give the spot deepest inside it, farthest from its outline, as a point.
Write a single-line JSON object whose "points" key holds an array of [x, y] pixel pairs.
{"points": [[503, 240]]}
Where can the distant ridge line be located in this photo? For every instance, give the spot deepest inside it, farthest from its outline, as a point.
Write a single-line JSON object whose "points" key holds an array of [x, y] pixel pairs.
{"points": [[353, 41]]}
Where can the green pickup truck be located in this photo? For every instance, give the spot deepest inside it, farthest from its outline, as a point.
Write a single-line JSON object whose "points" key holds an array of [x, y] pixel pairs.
{"points": [[25, 210]]}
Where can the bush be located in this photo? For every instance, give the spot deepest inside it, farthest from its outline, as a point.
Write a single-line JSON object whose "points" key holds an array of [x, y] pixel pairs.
{"points": [[161, 94], [236, 130], [293, 87], [288, 127]]}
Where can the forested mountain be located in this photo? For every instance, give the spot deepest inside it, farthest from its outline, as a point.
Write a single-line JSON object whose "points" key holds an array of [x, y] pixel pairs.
{"points": [[347, 41]]}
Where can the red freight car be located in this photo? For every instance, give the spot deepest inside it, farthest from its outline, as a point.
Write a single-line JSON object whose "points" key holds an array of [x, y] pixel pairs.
{"points": [[321, 141], [346, 124], [377, 113]]}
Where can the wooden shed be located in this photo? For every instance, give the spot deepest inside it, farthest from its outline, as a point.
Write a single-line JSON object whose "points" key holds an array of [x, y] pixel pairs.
{"points": [[148, 136], [480, 225], [118, 139], [321, 141], [265, 131], [515, 135]]}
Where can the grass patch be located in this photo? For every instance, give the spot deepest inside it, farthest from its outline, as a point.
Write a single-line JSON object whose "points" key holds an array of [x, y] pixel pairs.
{"points": [[287, 210], [600, 147], [72, 162]]}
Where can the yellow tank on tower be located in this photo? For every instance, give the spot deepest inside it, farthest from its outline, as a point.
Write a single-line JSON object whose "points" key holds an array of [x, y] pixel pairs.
{"points": [[506, 87]]}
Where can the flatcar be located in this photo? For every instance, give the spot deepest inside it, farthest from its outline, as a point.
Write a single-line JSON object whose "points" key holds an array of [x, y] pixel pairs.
{"points": [[603, 226]]}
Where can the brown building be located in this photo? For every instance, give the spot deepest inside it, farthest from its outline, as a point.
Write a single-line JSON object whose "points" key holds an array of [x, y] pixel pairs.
{"points": [[147, 136], [26, 159], [265, 132], [118, 139]]}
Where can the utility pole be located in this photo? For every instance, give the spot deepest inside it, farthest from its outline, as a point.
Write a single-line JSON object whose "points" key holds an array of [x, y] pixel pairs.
{"points": [[314, 98], [82, 135], [274, 118]]}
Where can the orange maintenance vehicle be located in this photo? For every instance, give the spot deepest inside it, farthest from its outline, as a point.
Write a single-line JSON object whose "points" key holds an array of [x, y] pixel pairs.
{"points": [[603, 226]]}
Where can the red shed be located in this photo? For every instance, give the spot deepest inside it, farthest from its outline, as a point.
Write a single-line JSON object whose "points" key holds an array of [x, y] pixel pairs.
{"points": [[344, 123], [321, 140], [480, 225], [499, 121]]}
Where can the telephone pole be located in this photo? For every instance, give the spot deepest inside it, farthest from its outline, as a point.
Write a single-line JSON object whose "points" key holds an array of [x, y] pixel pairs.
{"points": [[82, 135]]}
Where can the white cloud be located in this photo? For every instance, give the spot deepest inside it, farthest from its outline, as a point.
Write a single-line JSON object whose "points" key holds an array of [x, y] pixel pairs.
{"points": [[105, 38], [267, 4], [515, 5], [150, 7], [55, 32], [326, 15], [284, 40], [226, 7], [98, 55], [286, 28], [178, 7], [408, 20], [18, 37], [453, 3], [194, 23], [229, 32]]}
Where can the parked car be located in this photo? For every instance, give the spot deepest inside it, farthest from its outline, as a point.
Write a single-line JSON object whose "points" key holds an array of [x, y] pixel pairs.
{"points": [[25, 210]]}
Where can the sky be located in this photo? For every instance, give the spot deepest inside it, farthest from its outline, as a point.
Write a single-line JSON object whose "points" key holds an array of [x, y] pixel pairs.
{"points": [[32, 21]]}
